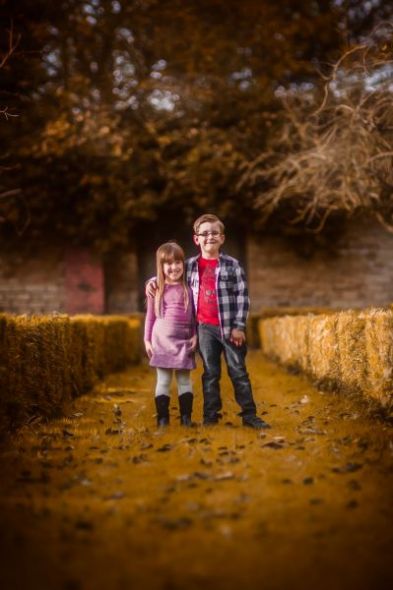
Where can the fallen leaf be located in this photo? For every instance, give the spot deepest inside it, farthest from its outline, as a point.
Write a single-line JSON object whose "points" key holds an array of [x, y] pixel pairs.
{"points": [[352, 504], [139, 459], [353, 484], [164, 448], [116, 410], [84, 525], [145, 446], [201, 475], [224, 476], [348, 468], [273, 444], [206, 462], [112, 431], [308, 481], [85, 481], [311, 430], [184, 477], [67, 433], [173, 524], [115, 496]]}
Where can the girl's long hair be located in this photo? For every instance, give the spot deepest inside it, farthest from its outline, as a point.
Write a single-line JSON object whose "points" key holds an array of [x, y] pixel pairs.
{"points": [[168, 252]]}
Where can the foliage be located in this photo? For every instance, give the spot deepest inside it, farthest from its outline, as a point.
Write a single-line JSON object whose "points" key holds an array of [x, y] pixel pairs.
{"points": [[132, 111]]}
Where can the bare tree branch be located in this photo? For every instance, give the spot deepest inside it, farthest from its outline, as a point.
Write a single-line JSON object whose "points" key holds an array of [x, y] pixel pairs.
{"points": [[12, 199], [12, 45], [337, 157], [4, 111]]}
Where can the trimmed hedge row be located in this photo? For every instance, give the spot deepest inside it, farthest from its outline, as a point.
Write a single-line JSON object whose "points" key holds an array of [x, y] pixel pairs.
{"points": [[253, 336], [349, 350], [46, 361]]}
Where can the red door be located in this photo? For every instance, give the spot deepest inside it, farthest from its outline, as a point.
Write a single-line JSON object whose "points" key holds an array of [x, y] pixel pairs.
{"points": [[83, 282]]}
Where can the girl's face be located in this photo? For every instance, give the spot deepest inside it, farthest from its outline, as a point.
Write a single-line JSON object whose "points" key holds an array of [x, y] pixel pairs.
{"points": [[173, 271]]}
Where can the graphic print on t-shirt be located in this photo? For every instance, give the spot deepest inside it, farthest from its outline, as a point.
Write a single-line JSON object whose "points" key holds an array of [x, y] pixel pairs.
{"points": [[207, 300], [208, 287]]}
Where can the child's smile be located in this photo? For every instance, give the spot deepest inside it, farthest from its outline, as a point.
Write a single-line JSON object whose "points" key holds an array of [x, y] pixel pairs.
{"points": [[173, 271], [210, 239]]}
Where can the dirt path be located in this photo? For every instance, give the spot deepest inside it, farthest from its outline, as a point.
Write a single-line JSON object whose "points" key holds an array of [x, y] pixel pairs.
{"points": [[102, 500]]}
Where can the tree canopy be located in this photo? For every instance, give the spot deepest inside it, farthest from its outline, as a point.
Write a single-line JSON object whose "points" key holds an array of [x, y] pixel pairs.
{"points": [[138, 110]]}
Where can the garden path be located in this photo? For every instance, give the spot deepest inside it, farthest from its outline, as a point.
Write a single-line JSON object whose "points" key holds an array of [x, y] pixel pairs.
{"points": [[103, 500]]}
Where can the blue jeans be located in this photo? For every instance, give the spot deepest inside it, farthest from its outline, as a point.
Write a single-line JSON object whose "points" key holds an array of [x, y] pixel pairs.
{"points": [[211, 345]]}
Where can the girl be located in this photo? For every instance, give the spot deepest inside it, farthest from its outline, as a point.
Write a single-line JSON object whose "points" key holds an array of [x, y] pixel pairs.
{"points": [[170, 333]]}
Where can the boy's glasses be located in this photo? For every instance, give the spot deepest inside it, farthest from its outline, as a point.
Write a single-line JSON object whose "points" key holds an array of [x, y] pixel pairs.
{"points": [[206, 234]]}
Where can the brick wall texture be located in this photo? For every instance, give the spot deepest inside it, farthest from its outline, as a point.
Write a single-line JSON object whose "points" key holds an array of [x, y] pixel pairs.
{"points": [[71, 281], [121, 284], [32, 286], [355, 269]]}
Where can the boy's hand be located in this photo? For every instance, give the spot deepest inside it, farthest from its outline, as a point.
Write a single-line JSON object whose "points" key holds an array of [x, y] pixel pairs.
{"points": [[238, 337], [151, 288], [193, 342], [148, 348]]}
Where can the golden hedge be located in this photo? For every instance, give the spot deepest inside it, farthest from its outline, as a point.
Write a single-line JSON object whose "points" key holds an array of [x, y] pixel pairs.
{"points": [[349, 350], [45, 361]]}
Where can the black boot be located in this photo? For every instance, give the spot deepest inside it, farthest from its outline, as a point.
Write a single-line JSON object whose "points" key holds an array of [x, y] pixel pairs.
{"points": [[162, 405], [185, 405]]}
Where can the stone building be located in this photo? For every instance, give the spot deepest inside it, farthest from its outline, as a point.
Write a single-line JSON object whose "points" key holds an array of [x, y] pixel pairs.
{"points": [[353, 269]]}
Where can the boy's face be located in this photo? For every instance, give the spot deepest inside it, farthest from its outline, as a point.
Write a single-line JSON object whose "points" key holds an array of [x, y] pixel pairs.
{"points": [[209, 239]]}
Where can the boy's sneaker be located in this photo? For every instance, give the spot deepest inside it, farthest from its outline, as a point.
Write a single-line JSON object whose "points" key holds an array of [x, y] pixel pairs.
{"points": [[210, 420], [255, 422]]}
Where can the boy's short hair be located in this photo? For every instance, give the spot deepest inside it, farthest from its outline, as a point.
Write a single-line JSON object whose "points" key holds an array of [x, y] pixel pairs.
{"points": [[208, 218]]}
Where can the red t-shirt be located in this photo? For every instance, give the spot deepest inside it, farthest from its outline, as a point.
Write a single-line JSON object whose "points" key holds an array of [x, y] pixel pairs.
{"points": [[207, 297]]}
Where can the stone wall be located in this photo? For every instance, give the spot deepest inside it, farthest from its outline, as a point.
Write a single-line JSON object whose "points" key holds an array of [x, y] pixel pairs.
{"points": [[33, 285], [121, 284], [353, 269], [70, 281]]}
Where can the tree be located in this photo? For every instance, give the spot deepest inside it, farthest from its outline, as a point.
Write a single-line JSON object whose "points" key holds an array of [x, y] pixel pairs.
{"points": [[333, 154], [7, 197], [134, 110]]}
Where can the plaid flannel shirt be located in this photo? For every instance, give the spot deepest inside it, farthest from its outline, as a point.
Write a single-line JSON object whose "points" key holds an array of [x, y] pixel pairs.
{"points": [[231, 289]]}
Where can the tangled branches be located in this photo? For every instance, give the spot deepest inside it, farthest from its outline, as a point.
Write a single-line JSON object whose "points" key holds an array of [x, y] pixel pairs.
{"points": [[337, 157], [8, 198]]}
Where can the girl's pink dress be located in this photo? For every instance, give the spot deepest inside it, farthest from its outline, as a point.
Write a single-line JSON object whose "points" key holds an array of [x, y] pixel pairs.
{"points": [[170, 334]]}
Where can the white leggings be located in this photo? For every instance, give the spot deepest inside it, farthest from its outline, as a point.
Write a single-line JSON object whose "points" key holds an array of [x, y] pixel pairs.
{"points": [[164, 378]]}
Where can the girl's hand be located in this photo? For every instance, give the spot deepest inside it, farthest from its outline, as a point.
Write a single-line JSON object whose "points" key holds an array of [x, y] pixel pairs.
{"points": [[193, 342], [148, 348], [151, 288]]}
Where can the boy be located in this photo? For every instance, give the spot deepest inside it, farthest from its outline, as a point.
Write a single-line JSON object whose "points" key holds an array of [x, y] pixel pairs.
{"points": [[221, 301]]}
